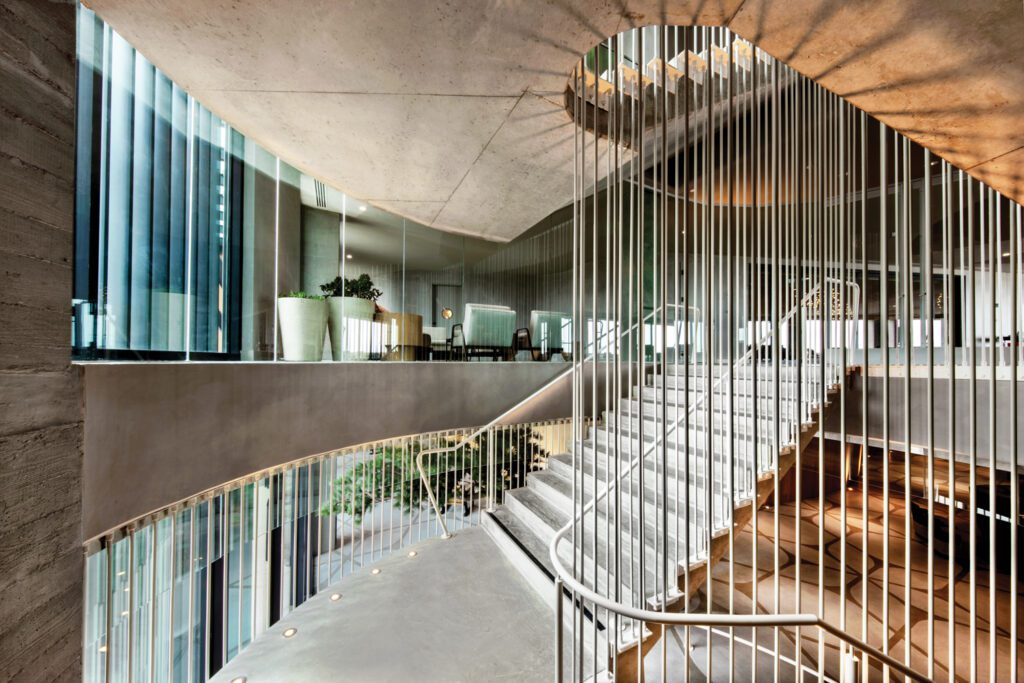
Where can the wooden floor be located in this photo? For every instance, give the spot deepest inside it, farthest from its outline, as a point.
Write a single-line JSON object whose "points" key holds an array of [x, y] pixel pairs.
{"points": [[893, 632]]}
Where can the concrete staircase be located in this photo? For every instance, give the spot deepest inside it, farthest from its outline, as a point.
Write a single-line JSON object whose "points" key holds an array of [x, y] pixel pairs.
{"points": [[702, 422]]}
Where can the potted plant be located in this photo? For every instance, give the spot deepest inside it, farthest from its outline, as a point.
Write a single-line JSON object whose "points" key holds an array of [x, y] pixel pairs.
{"points": [[351, 304], [303, 320], [389, 474]]}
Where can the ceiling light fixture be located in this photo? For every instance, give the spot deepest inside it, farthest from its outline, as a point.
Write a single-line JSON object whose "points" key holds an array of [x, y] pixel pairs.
{"points": [[348, 256], [289, 632], [362, 207]]}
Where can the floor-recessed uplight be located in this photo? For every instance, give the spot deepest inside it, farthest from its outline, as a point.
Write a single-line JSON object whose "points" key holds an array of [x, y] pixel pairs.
{"points": [[289, 632], [412, 553], [238, 679], [375, 571], [335, 597]]}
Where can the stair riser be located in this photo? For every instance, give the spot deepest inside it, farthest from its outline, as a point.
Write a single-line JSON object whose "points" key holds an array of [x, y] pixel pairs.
{"points": [[676, 410], [629, 449], [742, 425], [652, 490]]}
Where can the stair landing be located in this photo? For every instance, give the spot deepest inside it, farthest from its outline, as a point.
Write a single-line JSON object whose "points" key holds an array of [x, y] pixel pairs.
{"points": [[457, 611]]}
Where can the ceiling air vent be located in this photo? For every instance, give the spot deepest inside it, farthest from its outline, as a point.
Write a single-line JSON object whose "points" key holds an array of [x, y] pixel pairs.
{"points": [[321, 194]]}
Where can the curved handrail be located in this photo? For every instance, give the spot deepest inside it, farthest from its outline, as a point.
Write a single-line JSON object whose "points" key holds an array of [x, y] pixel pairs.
{"points": [[691, 619], [731, 620], [452, 448], [611, 486]]}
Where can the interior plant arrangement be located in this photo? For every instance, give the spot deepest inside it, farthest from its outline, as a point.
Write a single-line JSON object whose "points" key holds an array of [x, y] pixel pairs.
{"points": [[389, 473], [303, 323], [351, 303], [360, 287]]}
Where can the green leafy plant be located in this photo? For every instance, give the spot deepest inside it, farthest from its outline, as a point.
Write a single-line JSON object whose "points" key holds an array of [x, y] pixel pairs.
{"points": [[389, 473], [360, 288], [300, 294]]}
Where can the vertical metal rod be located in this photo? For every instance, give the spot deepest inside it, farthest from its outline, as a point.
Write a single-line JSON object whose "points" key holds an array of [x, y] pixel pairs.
{"points": [[972, 511], [884, 331], [1014, 471], [558, 630], [906, 323], [776, 348], [994, 226], [927, 284]]}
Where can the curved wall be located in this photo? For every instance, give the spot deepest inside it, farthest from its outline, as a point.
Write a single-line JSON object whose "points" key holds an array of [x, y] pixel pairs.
{"points": [[158, 433], [491, 149]]}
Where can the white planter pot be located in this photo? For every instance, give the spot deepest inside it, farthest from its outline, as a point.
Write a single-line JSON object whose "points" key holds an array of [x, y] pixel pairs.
{"points": [[351, 320], [303, 322]]}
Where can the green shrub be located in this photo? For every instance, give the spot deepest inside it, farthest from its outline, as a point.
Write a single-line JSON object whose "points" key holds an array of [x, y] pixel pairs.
{"points": [[360, 288]]}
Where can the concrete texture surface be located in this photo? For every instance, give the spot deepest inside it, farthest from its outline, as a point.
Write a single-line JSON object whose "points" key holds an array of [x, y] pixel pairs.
{"points": [[450, 113], [40, 394], [457, 611], [158, 433]]}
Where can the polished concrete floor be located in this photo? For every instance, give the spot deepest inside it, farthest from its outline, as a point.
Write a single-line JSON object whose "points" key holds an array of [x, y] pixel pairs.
{"points": [[457, 611]]}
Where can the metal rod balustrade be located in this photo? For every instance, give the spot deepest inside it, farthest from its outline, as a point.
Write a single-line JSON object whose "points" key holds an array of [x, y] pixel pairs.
{"points": [[617, 607], [496, 421], [151, 578], [834, 200]]}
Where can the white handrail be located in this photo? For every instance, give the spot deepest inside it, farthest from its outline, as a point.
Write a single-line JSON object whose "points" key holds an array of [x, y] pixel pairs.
{"points": [[689, 619], [467, 439], [647, 451], [731, 620]]}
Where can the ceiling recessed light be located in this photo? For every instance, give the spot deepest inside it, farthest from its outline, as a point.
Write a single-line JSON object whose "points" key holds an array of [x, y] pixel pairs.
{"points": [[412, 553], [335, 597], [362, 207], [289, 632], [375, 571]]}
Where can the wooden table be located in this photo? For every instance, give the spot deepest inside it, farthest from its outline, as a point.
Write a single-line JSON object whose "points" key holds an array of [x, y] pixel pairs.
{"points": [[402, 334]]}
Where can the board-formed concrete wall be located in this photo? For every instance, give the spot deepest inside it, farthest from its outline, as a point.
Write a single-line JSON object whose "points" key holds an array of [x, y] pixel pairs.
{"points": [[40, 396]]}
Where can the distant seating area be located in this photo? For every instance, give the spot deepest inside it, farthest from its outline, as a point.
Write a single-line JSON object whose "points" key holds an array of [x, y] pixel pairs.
{"points": [[486, 331], [489, 331]]}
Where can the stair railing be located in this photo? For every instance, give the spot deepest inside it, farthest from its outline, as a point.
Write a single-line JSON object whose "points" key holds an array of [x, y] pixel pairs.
{"points": [[565, 578], [612, 486], [465, 441]]}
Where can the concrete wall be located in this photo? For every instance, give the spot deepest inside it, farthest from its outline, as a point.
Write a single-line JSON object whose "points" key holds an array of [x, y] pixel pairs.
{"points": [[960, 416], [158, 433], [40, 399]]}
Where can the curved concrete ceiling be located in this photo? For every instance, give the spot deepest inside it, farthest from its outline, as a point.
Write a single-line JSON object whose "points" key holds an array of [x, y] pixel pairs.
{"points": [[450, 113]]}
